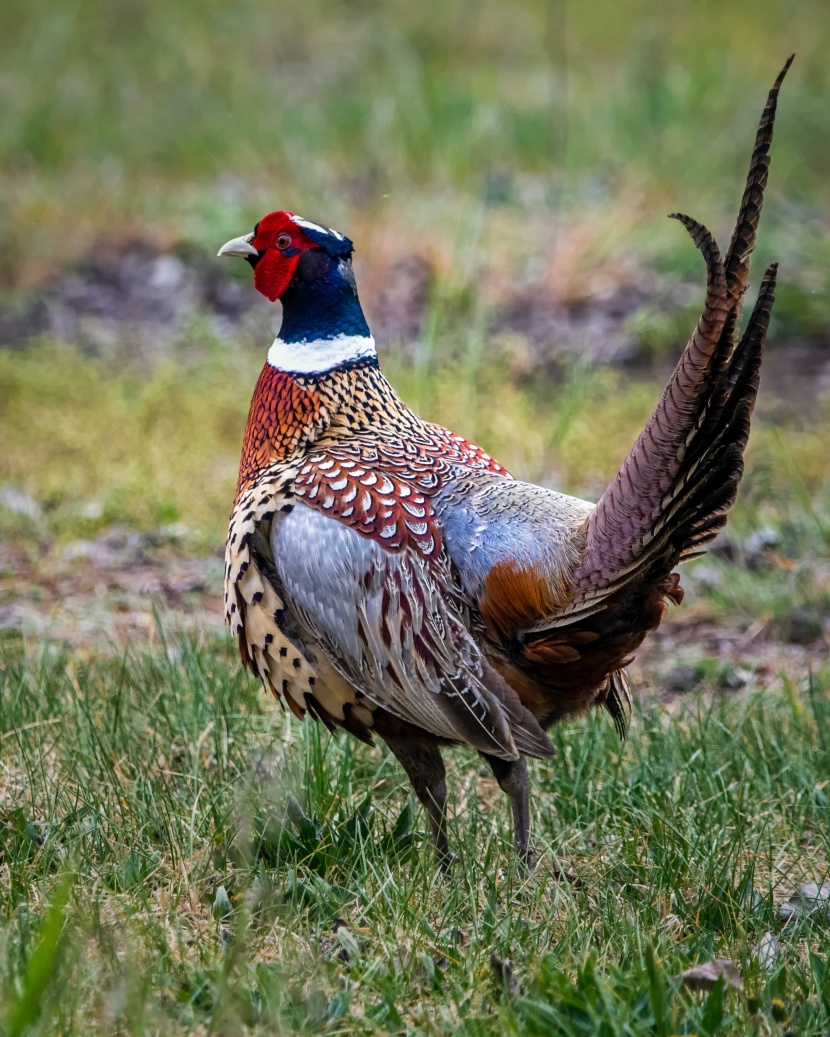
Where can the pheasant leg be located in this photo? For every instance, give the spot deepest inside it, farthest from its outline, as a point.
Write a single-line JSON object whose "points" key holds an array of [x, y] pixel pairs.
{"points": [[514, 780], [425, 769]]}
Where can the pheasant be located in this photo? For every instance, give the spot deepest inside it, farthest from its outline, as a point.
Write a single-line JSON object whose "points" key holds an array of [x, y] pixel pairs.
{"points": [[391, 578]]}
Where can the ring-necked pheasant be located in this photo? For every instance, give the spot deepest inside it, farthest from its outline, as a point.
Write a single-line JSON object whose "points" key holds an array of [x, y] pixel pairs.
{"points": [[391, 578]]}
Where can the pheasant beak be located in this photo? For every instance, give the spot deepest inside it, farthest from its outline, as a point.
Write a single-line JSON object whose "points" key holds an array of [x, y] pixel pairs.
{"points": [[239, 247]]}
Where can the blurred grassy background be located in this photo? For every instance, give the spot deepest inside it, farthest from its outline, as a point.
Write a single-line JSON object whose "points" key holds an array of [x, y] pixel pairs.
{"points": [[185, 120]]}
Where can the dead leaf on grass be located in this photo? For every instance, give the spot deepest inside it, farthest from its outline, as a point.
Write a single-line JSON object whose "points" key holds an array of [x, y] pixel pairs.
{"points": [[704, 977], [768, 951], [812, 899]]}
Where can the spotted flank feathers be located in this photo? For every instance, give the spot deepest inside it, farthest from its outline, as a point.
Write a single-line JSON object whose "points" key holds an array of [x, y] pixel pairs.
{"points": [[255, 611]]}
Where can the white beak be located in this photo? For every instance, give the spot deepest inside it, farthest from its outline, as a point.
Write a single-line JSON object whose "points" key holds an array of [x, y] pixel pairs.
{"points": [[239, 246]]}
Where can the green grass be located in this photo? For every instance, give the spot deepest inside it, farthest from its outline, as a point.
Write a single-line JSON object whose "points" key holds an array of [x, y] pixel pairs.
{"points": [[178, 858]]}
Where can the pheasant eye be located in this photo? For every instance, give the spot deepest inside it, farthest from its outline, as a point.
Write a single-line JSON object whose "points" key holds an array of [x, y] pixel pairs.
{"points": [[283, 241]]}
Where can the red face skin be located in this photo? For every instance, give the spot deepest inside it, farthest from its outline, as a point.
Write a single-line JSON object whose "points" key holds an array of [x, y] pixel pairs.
{"points": [[282, 242]]}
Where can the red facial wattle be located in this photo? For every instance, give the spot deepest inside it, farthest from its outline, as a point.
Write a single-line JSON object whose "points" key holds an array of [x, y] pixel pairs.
{"points": [[280, 243], [274, 271]]}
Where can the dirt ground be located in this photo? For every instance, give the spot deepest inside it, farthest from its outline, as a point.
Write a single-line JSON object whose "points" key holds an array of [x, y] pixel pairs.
{"points": [[149, 298]]}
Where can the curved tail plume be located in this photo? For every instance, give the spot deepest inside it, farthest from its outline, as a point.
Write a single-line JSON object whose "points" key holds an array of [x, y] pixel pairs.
{"points": [[671, 495], [746, 228]]}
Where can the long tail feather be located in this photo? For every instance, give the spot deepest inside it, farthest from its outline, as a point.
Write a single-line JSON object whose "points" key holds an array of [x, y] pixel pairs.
{"points": [[628, 508], [671, 495], [708, 483], [746, 228]]}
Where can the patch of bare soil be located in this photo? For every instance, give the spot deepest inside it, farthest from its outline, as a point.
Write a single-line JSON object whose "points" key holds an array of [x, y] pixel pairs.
{"points": [[139, 298], [596, 326], [692, 650], [134, 293], [110, 592]]}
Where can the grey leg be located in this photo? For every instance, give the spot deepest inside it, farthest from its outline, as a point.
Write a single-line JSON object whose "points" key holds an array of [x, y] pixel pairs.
{"points": [[513, 779], [425, 769]]}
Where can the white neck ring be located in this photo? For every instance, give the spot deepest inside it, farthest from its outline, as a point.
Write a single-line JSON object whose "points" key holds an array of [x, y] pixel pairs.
{"points": [[315, 356]]}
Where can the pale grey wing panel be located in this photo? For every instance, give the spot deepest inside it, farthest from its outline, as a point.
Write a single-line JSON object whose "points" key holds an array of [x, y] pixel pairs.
{"points": [[514, 523], [384, 621], [531, 528]]}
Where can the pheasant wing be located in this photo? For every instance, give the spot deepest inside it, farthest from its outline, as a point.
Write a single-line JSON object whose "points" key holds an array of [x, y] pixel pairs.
{"points": [[392, 624]]}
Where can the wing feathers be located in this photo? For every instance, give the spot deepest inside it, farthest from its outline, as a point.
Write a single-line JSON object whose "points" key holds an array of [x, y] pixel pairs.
{"points": [[393, 625]]}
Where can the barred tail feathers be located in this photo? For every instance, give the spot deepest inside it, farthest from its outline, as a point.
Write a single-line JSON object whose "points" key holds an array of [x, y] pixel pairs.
{"points": [[672, 493]]}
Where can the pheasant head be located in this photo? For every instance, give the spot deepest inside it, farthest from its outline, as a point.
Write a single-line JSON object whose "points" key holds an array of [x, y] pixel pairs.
{"points": [[309, 269]]}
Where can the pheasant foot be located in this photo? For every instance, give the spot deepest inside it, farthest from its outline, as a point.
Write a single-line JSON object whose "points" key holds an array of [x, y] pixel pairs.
{"points": [[425, 769]]}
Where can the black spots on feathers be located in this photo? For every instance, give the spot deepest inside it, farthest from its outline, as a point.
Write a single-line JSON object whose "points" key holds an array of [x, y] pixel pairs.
{"points": [[319, 712], [355, 726]]}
